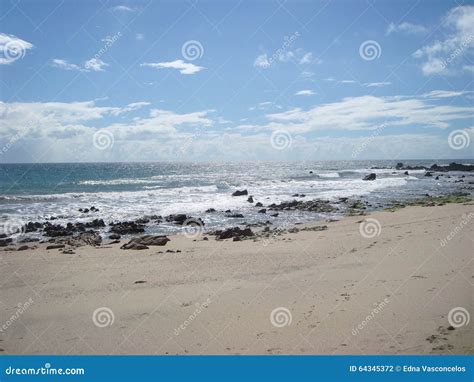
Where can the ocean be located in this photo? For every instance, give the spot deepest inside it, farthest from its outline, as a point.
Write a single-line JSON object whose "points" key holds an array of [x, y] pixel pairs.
{"points": [[128, 191]]}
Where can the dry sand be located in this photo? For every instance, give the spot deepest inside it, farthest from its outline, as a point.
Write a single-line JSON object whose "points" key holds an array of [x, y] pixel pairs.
{"points": [[390, 294]]}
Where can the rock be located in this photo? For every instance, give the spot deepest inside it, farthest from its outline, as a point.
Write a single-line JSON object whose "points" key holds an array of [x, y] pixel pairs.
{"points": [[311, 172], [240, 193], [406, 172], [258, 204], [274, 215], [147, 240], [134, 246], [127, 228], [55, 246], [5, 242], [250, 199], [234, 232], [316, 205], [437, 178], [293, 230], [210, 210], [262, 211], [22, 248], [235, 216], [86, 238], [114, 236], [68, 251], [371, 176], [177, 219], [57, 230], [428, 173], [399, 166], [453, 167], [205, 238]]}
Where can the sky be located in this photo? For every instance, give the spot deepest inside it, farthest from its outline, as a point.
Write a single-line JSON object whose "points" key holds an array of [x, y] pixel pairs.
{"points": [[92, 81]]}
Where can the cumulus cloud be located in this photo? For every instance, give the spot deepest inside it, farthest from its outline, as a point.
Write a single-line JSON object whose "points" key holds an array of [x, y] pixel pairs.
{"points": [[444, 56], [183, 67], [406, 28], [377, 84], [12, 48], [94, 64], [304, 92]]}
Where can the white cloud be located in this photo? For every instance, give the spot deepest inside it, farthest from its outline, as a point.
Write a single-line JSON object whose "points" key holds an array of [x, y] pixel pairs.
{"points": [[262, 61], [444, 94], [307, 58], [95, 65], [468, 68], [139, 36], [63, 64], [12, 48], [406, 28], [368, 112], [123, 8], [183, 67], [304, 93], [347, 82], [444, 56], [377, 84]]}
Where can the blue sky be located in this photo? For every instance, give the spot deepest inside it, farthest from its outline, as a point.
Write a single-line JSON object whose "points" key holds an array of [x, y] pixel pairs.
{"points": [[235, 80]]}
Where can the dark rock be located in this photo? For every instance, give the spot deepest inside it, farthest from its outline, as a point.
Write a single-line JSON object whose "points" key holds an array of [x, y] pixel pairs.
{"points": [[240, 193], [147, 240], [258, 204], [134, 246], [250, 199], [177, 219], [234, 232], [114, 236], [235, 216], [57, 230], [371, 176], [399, 166], [262, 211], [5, 242], [55, 246], [437, 178], [453, 167], [85, 238], [22, 248], [210, 210], [311, 172], [406, 172], [274, 215], [205, 238], [428, 173], [316, 205], [127, 228]]}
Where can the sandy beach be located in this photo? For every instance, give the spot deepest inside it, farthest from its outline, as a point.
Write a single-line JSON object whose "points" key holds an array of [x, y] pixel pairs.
{"points": [[309, 292]]}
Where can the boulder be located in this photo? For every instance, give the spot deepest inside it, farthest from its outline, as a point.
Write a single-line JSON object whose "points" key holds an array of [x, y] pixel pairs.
{"points": [[258, 204], [371, 176], [262, 211], [240, 193], [134, 246], [146, 240], [428, 173], [234, 232], [55, 246], [250, 199], [127, 228]]}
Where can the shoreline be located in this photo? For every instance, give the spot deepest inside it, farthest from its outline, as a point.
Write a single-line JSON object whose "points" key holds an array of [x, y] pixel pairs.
{"points": [[302, 291]]}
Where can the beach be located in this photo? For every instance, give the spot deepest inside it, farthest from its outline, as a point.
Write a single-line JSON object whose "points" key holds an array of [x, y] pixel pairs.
{"points": [[381, 283]]}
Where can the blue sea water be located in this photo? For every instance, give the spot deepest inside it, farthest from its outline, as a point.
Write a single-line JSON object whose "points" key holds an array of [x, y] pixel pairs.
{"points": [[127, 191]]}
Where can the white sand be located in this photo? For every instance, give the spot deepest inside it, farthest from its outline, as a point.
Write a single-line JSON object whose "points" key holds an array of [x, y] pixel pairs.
{"points": [[329, 281]]}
